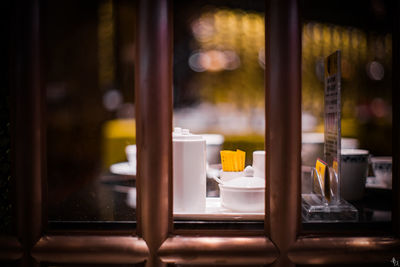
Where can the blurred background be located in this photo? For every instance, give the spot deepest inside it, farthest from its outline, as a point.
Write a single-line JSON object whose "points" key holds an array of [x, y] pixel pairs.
{"points": [[218, 86], [219, 69], [219, 59], [89, 78]]}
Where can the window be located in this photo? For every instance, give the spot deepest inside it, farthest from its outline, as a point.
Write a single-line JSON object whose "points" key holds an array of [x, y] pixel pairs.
{"points": [[365, 41], [219, 95], [90, 110], [156, 241]]}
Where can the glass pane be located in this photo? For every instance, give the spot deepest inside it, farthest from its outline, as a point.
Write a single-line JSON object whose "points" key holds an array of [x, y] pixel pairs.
{"points": [[218, 97], [6, 206], [89, 64], [362, 31]]}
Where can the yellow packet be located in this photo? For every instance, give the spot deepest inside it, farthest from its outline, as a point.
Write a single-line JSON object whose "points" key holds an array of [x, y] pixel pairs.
{"points": [[226, 160], [236, 162], [321, 181], [232, 161], [242, 158]]}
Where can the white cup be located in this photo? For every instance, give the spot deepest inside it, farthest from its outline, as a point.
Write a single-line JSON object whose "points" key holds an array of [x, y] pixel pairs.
{"points": [[259, 163], [382, 167], [354, 168], [131, 155]]}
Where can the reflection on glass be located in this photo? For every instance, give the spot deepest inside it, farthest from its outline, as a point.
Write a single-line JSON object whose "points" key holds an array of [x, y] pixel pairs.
{"points": [[6, 206], [89, 48], [366, 123], [219, 107]]}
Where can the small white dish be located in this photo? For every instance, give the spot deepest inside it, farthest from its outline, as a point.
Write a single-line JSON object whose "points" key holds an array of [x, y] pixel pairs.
{"points": [[122, 168], [215, 211]]}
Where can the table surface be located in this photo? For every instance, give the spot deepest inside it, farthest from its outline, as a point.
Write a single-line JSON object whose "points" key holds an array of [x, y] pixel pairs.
{"points": [[103, 201]]}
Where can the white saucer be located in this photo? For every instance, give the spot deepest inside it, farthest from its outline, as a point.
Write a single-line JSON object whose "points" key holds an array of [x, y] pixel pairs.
{"points": [[372, 183], [122, 168], [215, 211]]}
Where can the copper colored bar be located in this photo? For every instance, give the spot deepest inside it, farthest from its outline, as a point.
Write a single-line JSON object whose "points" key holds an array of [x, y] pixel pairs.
{"points": [[396, 122], [218, 250], [283, 123], [348, 250], [28, 127], [154, 121], [90, 249], [10, 248]]}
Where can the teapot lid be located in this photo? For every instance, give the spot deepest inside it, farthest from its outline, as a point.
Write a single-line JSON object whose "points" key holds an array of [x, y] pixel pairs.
{"points": [[245, 183]]}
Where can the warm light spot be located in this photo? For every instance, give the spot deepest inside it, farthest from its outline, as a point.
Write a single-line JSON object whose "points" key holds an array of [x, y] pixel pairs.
{"points": [[379, 107], [214, 60], [375, 71]]}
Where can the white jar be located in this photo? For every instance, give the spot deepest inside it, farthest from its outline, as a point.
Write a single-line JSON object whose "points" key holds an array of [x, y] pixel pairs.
{"points": [[189, 171]]}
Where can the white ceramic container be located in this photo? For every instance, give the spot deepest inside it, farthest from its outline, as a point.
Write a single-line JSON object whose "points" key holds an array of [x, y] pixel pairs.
{"points": [[382, 167], [244, 194], [189, 171], [259, 163], [354, 168]]}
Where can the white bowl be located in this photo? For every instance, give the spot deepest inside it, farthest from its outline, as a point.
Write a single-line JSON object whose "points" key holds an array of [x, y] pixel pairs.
{"points": [[244, 194], [229, 176]]}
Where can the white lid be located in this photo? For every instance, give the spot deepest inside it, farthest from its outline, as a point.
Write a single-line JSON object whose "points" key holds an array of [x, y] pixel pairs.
{"points": [[381, 159], [185, 135], [354, 152], [245, 183]]}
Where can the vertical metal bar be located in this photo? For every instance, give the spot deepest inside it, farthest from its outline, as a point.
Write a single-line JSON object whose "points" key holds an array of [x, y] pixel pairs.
{"points": [[396, 122], [29, 127], [283, 124], [154, 122]]}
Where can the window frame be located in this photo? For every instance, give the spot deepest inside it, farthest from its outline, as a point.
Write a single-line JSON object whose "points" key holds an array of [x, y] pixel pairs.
{"points": [[155, 240]]}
